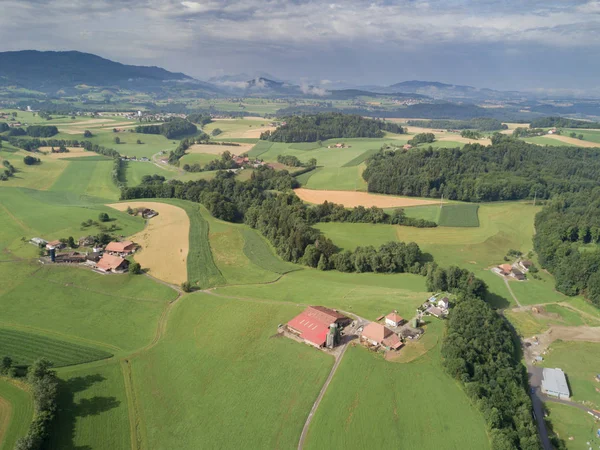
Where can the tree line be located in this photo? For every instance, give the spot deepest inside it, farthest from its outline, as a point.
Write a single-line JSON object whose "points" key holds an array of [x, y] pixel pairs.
{"points": [[316, 127], [422, 138], [478, 123], [199, 118], [293, 161], [509, 169], [561, 122]]}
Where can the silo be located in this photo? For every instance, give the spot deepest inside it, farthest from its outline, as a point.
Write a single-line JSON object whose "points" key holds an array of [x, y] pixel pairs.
{"points": [[415, 323], [52, 254]]}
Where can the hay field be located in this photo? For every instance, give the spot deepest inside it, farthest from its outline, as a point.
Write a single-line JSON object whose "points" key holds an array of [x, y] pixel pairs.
{"points": [[352, 199], [74, 152], [164, 242], [572, 141], [218, 149]]}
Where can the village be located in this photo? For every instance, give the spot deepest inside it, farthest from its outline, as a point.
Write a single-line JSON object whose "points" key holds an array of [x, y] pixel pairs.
{"points": [[327, 329]]}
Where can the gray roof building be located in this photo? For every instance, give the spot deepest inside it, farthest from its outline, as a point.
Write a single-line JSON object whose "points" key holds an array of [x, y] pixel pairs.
{"points": [[554, 383]]}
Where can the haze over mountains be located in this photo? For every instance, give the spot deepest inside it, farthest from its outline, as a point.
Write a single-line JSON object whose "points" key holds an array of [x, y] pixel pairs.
{"points": [[50, 72]]}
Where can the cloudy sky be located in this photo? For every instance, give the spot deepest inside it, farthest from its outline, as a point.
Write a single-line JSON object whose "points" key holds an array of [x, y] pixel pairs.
{"points": [[505, 44]]}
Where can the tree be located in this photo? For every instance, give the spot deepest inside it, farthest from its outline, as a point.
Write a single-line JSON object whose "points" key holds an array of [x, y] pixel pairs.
{"points": [[580, 137], [117, 140], [216, 132], [71, 242], [87, 134], [135, 268], [39, 369], [103, 217], [5, 365], [30, 160], [139, 142], [186, 286]]}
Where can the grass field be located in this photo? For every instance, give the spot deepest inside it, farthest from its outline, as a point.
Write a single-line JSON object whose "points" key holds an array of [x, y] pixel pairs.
{"points": [[569, 422], [40, 176], [24, 348], [91, 177], [134, 171], [16, 412], [459, 215], [581, 362], [414, 403], [260, 148], [93, 409], [255, 391], [367, 294], [542, 140], [259, 251]]}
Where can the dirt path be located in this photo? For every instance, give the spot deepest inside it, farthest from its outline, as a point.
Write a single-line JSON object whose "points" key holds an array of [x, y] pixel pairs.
{"points": [[512, 293], [5, 416], [304, 433]]}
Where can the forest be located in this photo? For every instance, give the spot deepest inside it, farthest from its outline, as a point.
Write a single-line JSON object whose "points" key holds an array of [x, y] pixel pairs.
{"points": [[509, 169], [323, 126], [42, 131], [567, 242], [172, 129], [561, 122], [479, 123]]}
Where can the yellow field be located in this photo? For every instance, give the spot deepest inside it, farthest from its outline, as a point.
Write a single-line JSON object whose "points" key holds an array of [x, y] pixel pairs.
{"points": [[164, 242], [74, 152], [570, 140], [351, 199], [218, 149]]}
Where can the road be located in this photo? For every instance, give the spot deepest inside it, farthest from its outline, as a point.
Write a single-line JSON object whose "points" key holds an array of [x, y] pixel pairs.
{"points": [[535, 382]]}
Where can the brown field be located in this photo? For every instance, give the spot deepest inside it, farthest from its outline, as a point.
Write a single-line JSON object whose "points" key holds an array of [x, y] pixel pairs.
{"points": [[352, 199], [218, 149], [462, 140], [164, 241], [255, 132], [74, 152], [5, 416], [574, 141]]}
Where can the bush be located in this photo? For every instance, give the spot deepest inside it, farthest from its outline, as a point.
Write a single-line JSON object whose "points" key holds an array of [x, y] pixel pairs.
{"points": [[135, 268], [186, 286], [87, 134], [103, 217], [30, 160]]}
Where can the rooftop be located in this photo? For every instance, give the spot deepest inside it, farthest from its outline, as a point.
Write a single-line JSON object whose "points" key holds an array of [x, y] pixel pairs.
{"points": [[554, 380], [376, 332], [110, 262], [118, 246], [394, 317]]}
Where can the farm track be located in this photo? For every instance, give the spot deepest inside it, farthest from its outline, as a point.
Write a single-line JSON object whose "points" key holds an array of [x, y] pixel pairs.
{"points": [[512, 293]]}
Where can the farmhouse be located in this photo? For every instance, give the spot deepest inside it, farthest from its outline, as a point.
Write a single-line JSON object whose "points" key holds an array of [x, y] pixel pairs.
{"points": [[524, 265], [554, 384], [393, 319], [70, 257], [375, 334], [38, 241], [54, 244], [313, 324], [444, 303], [505, 269], [436, 312], [124, 248], [517, 274], [111, 263]]}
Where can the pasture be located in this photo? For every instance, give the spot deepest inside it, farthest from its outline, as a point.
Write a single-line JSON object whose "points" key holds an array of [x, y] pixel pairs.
{"points": [[255, 390], [39, 176], [406, 400], [459, 215], [91, 177], [24, 348], [164, 241]]}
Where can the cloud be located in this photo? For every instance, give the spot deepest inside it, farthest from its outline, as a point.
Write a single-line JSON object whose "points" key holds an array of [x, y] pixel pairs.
{"points": [[313, 90], [198, 7]]}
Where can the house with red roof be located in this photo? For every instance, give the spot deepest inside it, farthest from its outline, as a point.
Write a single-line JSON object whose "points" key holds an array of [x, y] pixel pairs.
{"points": [[112, 263], [393, 319], [376, 335], [124, 248], [314, 322]]}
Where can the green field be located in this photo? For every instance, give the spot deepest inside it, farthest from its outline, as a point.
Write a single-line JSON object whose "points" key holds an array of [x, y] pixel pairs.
{"points": [[459, 215], [88, 177], [229, 383], [581, 362], [259, 251], [414, 403], [24, 348], [135, 170], [40, 176], [21, 412], [542, 140], [93, 401], [569, 422]]}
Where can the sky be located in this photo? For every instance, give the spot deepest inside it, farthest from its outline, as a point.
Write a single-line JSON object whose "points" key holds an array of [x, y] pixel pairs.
{"points": [[503, 44]]}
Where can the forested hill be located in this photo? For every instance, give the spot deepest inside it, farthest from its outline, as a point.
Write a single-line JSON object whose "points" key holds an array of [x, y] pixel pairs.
{"points": [[323, 126], [509, 169], [39, 70], [562, 122]]}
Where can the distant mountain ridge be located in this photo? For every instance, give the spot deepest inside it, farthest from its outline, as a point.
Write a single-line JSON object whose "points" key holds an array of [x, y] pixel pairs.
{"points": [[50, 70], [445, 91]]}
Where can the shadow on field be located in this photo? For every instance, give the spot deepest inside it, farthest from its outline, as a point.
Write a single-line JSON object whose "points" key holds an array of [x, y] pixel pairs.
{"points": [[69, 410], [497, 301]]}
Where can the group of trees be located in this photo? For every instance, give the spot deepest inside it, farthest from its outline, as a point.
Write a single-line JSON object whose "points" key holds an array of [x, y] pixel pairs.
{"points": [[293, 161], [30, 160], [44, 386], [322, 126], [523, 132], [561, 122], [179, 152], [9, 170], [172, 129], [566, 241], [41, 131], [575, 135], [509, 169], [199, 118], [422, 138], [470, 134], [478, 123]]}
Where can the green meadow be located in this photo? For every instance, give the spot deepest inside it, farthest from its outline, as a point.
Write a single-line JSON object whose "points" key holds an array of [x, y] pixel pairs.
{"points": [[18, 412], [414, 403], [575, 427]]}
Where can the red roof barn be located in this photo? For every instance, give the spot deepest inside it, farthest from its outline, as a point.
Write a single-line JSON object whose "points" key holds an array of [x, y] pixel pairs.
{"points": [[312, 324]]}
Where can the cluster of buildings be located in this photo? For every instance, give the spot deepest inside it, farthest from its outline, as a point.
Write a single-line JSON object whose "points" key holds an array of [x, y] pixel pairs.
{"points": [[516, 270], [375, 335], [437, 307], [133, 158], [339, 145], [109, 259]]}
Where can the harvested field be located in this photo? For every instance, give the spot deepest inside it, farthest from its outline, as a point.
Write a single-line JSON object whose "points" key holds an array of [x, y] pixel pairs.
{"points": [[74, 152], [255, 132], [352, 199], [218, 149], [573, 141], [462, 140], [164, 242]]}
